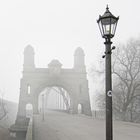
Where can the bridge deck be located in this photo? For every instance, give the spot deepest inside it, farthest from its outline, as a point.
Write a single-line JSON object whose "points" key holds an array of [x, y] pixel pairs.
{"points": [[62, 126]]}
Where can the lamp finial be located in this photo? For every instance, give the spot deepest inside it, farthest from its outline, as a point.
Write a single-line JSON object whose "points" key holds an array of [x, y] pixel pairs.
{"points": [[107, 8]]}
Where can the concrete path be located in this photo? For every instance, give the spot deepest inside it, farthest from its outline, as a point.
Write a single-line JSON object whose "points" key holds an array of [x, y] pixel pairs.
{"points": [[62, 126]]}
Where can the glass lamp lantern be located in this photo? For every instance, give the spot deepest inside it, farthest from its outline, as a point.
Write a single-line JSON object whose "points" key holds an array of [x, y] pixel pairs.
{"points": [[107, 24]]}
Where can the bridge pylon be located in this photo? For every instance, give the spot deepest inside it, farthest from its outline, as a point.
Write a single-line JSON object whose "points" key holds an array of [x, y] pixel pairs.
{"points": [[35, 80]]}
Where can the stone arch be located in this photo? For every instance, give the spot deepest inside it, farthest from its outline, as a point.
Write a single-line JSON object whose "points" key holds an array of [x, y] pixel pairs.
{"points": [[61, 98], [70, 92], [43, 86], [29, 110], [80, 108]]}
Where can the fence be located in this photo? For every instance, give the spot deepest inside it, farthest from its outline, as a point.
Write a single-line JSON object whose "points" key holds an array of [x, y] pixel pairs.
{"points": [[29, 135], [98, 114]]}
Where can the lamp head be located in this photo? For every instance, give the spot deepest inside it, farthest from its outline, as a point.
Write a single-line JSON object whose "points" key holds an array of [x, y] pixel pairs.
{"points": [[107, 24]]}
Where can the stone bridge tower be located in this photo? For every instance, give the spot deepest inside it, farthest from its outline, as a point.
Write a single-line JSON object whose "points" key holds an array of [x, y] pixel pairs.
{"points": [[35, 80]]}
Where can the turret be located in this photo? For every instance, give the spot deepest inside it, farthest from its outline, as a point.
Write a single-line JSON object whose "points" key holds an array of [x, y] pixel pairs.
{"points": [[79, 59], [28, 57], [55, 67]]}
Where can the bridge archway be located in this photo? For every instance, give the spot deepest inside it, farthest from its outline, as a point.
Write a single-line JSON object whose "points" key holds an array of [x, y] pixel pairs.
{"points": [[54, 98], [80, 109], [35, 80]]}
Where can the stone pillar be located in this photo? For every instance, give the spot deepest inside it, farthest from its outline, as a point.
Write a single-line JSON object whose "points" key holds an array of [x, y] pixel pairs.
{"points": [[86, 108], [84, 98], [35, 105], [73, 106], [21, 108]]}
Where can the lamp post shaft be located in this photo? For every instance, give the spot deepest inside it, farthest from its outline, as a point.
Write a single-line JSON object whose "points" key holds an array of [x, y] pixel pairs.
{"points": [[43, 113], [108, 77]]}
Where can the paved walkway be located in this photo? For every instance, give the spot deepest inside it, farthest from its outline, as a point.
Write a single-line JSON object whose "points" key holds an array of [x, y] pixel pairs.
{"points": [[62, 126]]}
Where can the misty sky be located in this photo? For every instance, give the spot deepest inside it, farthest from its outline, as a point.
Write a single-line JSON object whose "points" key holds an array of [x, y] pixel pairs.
{"points": [[55, 28]]}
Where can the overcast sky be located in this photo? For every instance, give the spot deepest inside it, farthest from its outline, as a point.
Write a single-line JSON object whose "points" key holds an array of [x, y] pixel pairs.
{"points": [[55, 28]]}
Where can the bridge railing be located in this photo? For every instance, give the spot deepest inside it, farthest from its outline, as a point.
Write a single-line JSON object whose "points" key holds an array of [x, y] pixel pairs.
{"points": [[98, 114], [29, 135]]}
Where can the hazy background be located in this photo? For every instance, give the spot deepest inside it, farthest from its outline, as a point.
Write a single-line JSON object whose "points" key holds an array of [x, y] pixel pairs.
{"points": [[55, 28]]}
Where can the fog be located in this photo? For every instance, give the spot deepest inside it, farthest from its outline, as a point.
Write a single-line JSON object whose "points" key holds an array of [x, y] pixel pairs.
{"points": [[55, 29]]}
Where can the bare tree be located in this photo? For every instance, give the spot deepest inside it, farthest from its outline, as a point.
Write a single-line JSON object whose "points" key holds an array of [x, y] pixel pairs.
{"points": [[126, 81], [98, 79], [100, 100], [126, 70]]}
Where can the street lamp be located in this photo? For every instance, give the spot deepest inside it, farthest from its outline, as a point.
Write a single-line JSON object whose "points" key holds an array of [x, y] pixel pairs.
{"points": [[43, 111], [107, 25]]}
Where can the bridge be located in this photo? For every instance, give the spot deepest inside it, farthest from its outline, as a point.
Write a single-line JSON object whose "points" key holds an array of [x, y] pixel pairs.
{"points": [[63, 126], [66, 90]]}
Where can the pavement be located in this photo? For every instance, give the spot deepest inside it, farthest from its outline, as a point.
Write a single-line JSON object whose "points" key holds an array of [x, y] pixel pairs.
{"points": [[63, 126]]}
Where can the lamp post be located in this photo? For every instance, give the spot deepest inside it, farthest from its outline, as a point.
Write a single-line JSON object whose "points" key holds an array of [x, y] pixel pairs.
{"points": [[107, 25], [43, 113]]}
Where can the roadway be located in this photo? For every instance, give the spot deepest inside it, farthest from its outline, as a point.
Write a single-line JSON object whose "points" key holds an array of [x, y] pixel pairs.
{"points": [[63, 126]]}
